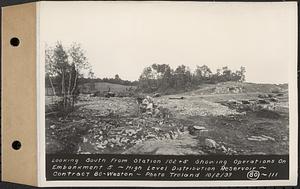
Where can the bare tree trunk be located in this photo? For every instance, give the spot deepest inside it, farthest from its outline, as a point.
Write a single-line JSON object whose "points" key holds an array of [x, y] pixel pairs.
{"points": [[75, 83], [63, 89], [74, 87], [69, 87], [53, 89], [63, 83]]}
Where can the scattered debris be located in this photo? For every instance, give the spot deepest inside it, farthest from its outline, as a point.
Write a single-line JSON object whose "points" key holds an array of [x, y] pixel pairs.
{"points": [[245, 102], [251, 105], [109, 94], [261, 138], [257, 138], [197, 130], [156, 95], [177, 98], [223, 148], [273, 99], [130, 132], [263, 102], [199, 127], [268, 137], [263, 96], [97, 93], [221, 89], [233, 102]]}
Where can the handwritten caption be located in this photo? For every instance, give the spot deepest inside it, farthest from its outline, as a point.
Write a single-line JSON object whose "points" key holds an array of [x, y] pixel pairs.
{"points": [[142, 167]]}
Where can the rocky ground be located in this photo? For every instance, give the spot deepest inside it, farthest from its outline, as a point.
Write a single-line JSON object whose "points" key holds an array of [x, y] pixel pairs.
{"points": [[229, 119]]}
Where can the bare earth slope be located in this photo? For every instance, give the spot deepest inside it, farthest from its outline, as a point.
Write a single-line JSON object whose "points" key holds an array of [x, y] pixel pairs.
{"points": [[227, 118]]}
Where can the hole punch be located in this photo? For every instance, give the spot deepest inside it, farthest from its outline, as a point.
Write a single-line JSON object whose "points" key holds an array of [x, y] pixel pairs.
{"points": [[16, 145], [14, 42]]}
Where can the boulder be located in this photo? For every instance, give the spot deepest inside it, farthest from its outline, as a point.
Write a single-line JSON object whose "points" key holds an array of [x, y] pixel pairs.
{"points": [[130, 132], [263, 96], [196, 130], [235, 89], [110, 94], [273, 99], [97, 93], [156, 112], [199, 127], [156, 95], [176, 98], [211, 143], [145, 101], [233, 102], [149, 106], [223, 148], [150, 99], [261, 101], [245, 102], [268, 137], [139, 99]]}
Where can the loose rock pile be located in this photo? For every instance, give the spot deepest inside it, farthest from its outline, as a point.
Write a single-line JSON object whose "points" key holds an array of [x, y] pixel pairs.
{"points": [[228, 89], [148, 107], [251, 105], [211, 146], [108, 137], [261, 138], [194, 107]]}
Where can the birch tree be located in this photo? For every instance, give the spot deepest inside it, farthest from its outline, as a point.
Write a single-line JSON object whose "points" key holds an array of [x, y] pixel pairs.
{"points": [[66, 66], [79, 64]]}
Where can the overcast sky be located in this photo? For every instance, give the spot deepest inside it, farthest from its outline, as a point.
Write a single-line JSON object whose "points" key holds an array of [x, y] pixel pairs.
{"points": [[125, 37]]}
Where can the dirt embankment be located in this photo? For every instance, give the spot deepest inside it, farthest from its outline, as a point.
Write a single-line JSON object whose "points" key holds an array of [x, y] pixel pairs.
{"points": [[199, 123]]}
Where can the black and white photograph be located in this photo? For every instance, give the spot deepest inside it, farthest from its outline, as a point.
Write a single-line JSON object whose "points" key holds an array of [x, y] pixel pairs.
{"points": [[168, 91]]}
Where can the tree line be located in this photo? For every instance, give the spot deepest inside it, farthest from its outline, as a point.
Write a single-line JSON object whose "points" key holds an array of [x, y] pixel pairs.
{"points": [[114, 80], [67, 67], [162, 78]]}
